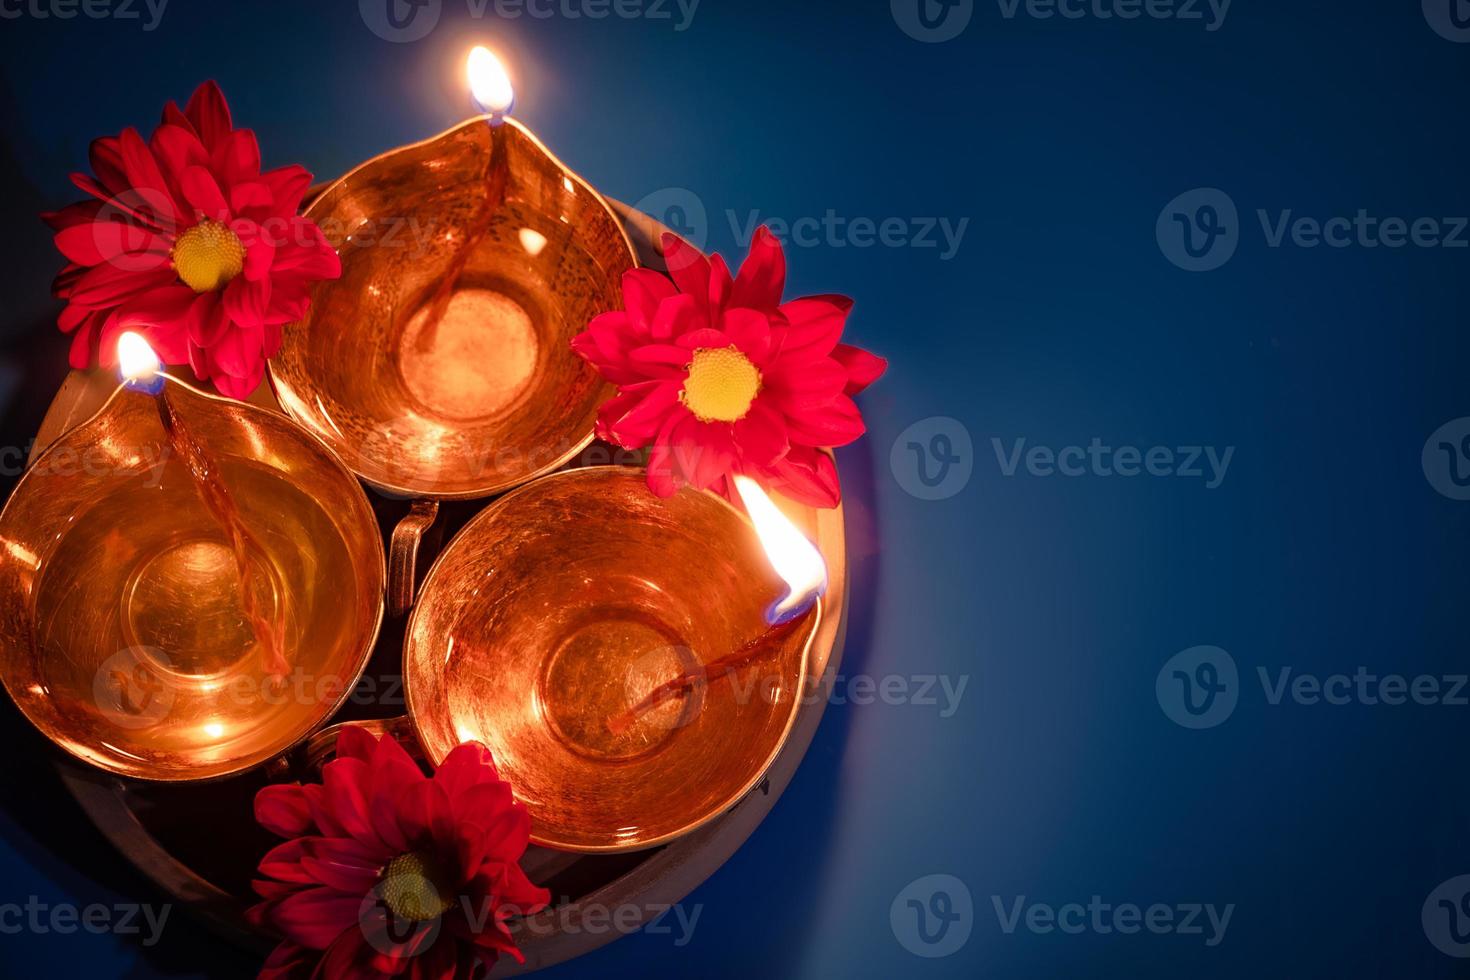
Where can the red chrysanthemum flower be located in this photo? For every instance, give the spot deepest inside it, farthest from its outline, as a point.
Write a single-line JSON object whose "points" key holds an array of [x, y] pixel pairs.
{"points": [[722, 378], [390, 872], [186, 242]]}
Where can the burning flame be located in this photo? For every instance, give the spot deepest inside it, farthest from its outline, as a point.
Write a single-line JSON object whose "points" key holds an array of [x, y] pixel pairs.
{"points": [[794, 558], [136, 361], [489, 84]]}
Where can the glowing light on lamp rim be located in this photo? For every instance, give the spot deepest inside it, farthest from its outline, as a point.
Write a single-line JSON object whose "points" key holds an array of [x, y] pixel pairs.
{"points": [[489, 83], [136, 361], [794, 558]]}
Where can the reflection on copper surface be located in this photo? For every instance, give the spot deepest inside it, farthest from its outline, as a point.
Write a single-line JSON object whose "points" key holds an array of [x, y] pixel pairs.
{"points": [[565, 603]]}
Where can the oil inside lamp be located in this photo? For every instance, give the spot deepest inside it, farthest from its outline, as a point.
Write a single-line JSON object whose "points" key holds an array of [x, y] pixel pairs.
{"points": [[798, 563]]}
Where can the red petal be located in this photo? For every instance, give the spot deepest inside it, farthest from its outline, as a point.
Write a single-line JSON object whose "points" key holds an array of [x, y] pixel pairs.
{"points": [[203, 193], [689, 268], [761, 435], [345, 781], [815, 326], [283, 810], [807, 476], [424, 815], [643, 418], [107, 285], [283, 862], [356, 743], [287, 186], [315, 917], [762, 277], [664, 476], [345, 865], [210, 114], [751, 332], [836, 424], [93, 243], [237, 159], [643, 291], [73, 214], [393, 773], [862, 367], [246, 301], [465, 767], [105, 156], [144, 176]]}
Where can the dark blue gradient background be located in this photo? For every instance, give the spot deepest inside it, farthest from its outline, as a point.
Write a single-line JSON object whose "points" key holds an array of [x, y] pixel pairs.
{"points": [[1059, 320]]}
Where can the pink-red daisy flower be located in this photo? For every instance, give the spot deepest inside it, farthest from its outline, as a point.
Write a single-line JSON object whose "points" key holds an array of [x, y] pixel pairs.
{"points": [[721, 378], [388, 872], [187, 242]]}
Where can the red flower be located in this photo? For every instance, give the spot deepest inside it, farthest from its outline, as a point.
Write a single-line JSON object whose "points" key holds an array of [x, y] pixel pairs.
{"points": [[390, 872], [188, 243], [722, 378]]}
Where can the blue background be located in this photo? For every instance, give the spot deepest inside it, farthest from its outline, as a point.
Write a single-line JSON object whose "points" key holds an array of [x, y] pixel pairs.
{"points": [[1060, 319]]}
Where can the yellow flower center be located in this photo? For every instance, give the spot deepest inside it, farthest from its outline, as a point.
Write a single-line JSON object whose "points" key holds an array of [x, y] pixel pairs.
{"points": [[413, 887], [721, 385], [207, 256]]}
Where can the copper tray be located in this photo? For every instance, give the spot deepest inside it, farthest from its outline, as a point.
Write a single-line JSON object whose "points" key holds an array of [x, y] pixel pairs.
{"points": [[200, 844]]}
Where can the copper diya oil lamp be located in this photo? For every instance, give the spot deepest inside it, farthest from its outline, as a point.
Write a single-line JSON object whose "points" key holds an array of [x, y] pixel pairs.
{"points": [[439, 366], [583, 629], [170, 569]]}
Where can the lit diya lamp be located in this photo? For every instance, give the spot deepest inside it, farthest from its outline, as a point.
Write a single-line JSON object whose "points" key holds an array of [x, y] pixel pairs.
{"points": [[191, 584], [438, 366], [634, 664]]}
